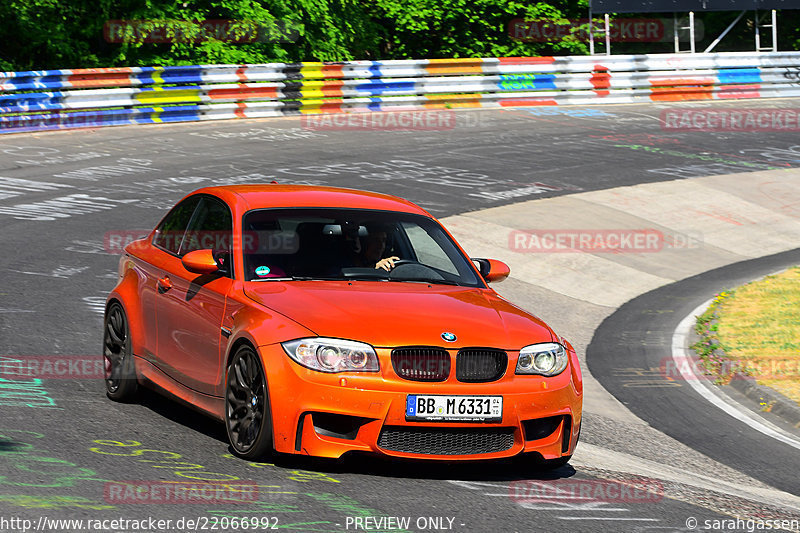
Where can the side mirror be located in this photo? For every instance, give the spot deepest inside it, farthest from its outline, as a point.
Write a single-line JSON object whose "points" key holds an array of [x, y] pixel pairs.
{"points": [[200, 262], [492, 270]]}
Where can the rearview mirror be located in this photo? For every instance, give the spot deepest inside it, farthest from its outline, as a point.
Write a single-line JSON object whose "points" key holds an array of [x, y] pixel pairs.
{"points": [[200, 262], [492, 270]]}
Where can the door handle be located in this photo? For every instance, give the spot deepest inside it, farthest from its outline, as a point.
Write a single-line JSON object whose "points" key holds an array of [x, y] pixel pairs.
{"points": [[164, 284]]}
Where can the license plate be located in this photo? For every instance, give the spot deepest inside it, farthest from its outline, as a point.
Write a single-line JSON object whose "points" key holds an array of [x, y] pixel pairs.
{"points": [[454, 408]]}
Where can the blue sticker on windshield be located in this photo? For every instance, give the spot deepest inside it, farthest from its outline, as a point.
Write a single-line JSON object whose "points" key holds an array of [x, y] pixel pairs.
{"points": [[262, 271]]}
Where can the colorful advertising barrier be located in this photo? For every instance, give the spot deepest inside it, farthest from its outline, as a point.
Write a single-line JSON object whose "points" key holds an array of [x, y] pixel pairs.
{"points": [[64, 99]]}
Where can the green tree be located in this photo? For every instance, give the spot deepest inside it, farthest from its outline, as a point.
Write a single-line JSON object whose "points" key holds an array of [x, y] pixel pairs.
{"points": [[40, 34], [468, 28], [51, 34]]}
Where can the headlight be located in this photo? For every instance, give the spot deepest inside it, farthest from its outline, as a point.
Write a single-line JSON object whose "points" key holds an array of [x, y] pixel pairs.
{"points": [[333, 355], [546, 359]]}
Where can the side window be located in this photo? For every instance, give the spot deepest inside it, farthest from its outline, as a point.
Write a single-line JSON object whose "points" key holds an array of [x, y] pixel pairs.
{"points": [[428, 251], [169, 233], [211, 228]]}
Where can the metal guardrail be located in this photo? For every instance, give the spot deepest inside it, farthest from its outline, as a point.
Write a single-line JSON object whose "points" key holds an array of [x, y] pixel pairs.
{"points": [[62, 99]]}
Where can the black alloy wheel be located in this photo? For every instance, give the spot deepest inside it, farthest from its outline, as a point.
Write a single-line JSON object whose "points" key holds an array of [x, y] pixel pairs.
{"points": [[118, 361], [248, 418]]}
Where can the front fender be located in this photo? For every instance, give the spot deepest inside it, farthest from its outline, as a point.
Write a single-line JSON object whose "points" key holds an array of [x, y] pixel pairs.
{"points": [[126, 292], [258, 326]]}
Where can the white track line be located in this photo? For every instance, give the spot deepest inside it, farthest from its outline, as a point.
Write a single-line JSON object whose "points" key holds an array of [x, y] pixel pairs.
{"points": [[685, 364]]}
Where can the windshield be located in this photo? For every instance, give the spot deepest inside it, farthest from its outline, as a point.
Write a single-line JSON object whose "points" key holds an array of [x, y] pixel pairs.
{"points": [[324, 243]]}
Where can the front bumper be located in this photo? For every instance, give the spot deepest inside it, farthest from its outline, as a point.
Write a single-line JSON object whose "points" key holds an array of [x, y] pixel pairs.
{"points": [[327, 415]]}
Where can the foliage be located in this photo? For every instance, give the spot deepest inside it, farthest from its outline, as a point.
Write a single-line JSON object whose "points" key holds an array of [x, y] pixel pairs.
{"points": [[468, 28], [48, 34]]}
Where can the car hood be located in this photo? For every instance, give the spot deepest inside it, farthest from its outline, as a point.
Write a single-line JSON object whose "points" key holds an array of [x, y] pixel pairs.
{"points": [[387, 314]]}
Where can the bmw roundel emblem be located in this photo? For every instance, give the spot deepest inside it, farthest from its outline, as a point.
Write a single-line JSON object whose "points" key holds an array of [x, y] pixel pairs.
{"points": [[449, 337]]}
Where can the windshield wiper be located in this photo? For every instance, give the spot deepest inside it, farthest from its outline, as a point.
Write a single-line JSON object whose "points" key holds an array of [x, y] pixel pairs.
{"points": [[362, 278], [315, 278]]}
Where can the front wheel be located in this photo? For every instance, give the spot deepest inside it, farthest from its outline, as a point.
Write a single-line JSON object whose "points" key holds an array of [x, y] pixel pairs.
{"points": [[248, 418], [118, 361]]}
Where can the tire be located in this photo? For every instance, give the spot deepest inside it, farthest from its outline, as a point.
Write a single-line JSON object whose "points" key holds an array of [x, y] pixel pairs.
{"points": [[248, 417], [120, 370]]}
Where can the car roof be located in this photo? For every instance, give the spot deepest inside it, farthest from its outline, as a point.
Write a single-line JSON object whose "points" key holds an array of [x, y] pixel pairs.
{"points": [[258, 196]]}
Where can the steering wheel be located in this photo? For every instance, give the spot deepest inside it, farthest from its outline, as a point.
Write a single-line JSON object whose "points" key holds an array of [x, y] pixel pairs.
{"points": [[419, 271]]}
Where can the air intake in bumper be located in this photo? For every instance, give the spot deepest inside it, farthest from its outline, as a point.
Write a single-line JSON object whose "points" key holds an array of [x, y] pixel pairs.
{"points": [[446, 441]]}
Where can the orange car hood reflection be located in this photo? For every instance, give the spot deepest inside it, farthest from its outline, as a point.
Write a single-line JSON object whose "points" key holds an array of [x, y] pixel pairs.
{"points": [[387, 314]]}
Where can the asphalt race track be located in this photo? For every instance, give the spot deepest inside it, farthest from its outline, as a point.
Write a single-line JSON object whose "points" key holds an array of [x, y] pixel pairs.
{"points": [[68, 200]]}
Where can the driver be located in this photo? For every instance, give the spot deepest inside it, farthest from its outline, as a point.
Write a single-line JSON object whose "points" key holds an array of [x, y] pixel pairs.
{"points": [[372, 248]]}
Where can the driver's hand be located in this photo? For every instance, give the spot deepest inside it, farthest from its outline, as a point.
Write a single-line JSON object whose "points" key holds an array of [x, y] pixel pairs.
{"points": [[388, 263]]}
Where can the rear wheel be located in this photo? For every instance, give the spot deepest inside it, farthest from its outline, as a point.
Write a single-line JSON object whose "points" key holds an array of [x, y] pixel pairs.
{"points": [[118, 361], [248, 418]]}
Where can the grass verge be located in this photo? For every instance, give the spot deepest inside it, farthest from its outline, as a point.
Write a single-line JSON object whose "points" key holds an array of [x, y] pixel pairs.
{"points": [[755, 330]]}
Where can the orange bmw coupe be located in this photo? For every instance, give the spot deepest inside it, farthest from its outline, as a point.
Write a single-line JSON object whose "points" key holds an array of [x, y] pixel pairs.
{"points": [[320, 321]]}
